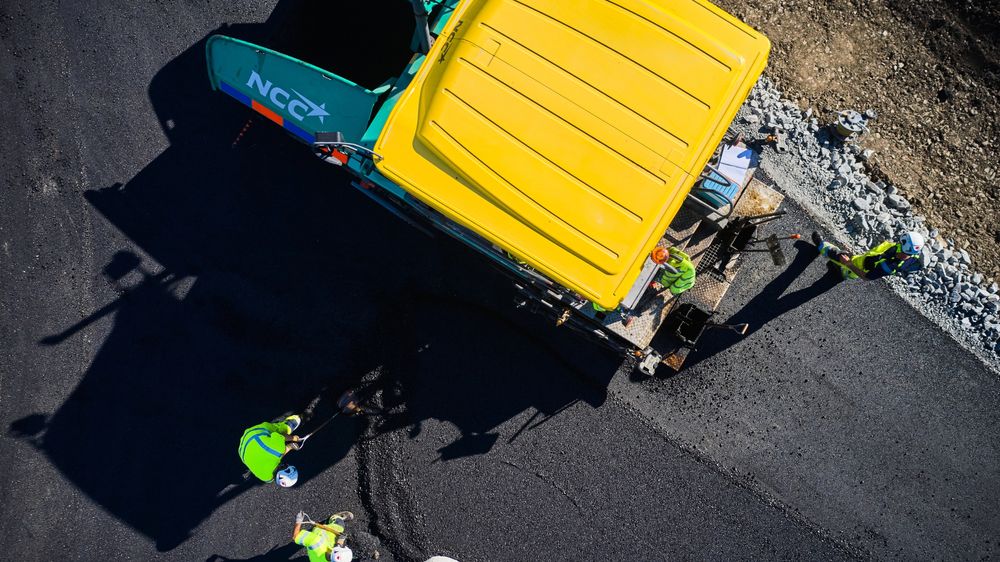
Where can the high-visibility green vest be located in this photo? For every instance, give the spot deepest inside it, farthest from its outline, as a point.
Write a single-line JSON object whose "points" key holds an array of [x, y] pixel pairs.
{"points": [[888, 268], [262, 447], [318, 542], [685, 276]]}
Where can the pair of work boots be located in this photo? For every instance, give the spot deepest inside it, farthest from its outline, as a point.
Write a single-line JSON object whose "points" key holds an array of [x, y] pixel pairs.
{"points": [[818, 241], [832, 253]]}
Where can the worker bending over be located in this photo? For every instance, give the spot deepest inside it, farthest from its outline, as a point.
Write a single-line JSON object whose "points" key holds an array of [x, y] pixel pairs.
{"points": [[888, 258], [263, 447], [324, 542]]}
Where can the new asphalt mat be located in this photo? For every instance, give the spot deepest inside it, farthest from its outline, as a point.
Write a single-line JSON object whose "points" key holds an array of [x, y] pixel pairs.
{"points": [[162, 291]]}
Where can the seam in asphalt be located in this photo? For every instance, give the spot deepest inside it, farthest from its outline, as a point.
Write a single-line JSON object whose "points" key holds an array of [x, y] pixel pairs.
{"points": [[743, 482]]}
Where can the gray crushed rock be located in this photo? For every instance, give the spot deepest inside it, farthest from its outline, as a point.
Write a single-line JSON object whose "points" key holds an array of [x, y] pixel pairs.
{"points": [[830, 179]]}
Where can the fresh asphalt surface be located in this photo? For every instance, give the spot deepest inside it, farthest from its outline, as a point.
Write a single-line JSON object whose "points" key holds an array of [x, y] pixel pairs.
{"points": [[161, 291]]}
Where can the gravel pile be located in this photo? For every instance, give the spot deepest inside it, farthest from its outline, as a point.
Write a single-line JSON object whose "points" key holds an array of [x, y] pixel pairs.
{"points": [[931, 69], [831, 179]]}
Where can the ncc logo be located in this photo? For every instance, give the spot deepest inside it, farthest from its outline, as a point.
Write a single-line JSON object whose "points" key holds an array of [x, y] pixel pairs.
{"points": [[299, 107]]}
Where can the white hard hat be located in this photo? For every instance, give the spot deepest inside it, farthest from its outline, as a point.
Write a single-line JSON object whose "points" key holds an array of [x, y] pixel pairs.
{"points": [[912, 242], [287, 478], [341, 554], [440, 559]]}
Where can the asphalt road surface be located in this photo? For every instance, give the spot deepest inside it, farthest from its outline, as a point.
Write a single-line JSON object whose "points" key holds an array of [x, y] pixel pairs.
{"points": [[163, 290]]}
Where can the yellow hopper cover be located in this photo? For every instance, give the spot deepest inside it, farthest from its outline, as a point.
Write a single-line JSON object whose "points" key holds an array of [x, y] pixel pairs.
{"points": [[569, 132]]}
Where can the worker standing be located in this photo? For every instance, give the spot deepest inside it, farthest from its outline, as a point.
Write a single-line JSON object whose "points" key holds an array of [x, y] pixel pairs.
{"points": [[678, 270], [324, 542], [888, 258], [263, 447]]}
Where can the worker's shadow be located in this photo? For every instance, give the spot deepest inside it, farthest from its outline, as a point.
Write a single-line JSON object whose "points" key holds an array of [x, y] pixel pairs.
{"points": [[237, 295], [770, 303], [251, 277], [150, 432]]}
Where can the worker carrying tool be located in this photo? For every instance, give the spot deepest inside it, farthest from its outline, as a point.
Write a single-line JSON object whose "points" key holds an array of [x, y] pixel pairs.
{"points": [[678, 273], [324, 542], [263, 447], [888, 258]]}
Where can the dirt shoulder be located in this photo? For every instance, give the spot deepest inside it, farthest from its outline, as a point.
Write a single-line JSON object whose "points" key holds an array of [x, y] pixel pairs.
{"points": [[931, 70]]}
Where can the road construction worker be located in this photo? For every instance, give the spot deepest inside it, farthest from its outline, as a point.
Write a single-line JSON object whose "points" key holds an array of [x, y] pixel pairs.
{"points": [[888, 258], [264, 445], [324, 542], [678, 273]]}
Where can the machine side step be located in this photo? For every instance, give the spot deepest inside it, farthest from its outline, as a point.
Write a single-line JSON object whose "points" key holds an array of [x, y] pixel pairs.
{"points": [[711, 286]]}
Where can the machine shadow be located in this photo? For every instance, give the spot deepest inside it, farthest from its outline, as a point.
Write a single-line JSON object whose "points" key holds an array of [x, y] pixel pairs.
{"points": [[770, 303], [476, 364], [259, 278], [278, 553]]}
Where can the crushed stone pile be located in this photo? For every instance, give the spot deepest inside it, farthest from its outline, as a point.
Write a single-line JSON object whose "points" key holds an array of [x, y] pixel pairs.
{"points": [[831, 178]]}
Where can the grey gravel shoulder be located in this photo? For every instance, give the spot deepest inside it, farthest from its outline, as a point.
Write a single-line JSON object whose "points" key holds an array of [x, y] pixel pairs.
{"points": [[831, 179]]}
